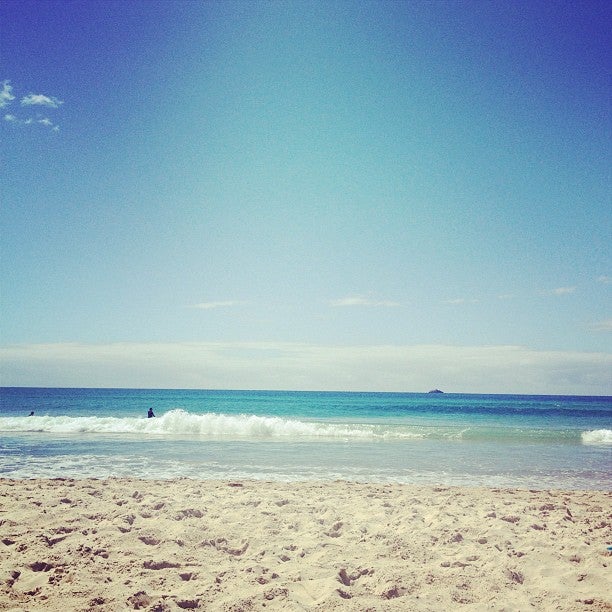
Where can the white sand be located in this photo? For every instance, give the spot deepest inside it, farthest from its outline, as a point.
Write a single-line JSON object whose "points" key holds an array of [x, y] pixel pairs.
{"points": [[124, 544]]}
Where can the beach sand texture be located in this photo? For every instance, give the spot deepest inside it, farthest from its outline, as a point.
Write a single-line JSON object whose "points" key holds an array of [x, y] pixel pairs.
{"points": [[122, 544]]}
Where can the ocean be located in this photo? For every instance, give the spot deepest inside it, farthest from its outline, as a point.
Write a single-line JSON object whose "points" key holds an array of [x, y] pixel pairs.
{"points": [[523, 441]]}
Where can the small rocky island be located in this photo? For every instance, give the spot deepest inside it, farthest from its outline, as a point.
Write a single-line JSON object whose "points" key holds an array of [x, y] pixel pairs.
{"points": [[435, 391]]}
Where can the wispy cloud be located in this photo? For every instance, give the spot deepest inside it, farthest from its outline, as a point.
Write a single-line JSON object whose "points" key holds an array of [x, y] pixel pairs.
{"points": [[559, 291], [604, 279], [602, 326], [29, 121], [6, 95], [477, 369], [457, 301], [362, 300], [29, 101], [41, 100], [46, 121], [11, 118], [213, 305]]}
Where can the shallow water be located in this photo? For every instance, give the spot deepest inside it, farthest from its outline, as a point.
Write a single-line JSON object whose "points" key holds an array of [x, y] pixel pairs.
{"points": [[489, 440]]}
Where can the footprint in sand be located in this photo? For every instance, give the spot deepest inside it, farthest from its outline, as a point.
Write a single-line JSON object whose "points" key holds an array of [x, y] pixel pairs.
{"points": [[159, 565], [188, 513], [334, 532], [348, 579], [13, 575], [188, 604], [139, 600], [222, 545], [40, 566]]}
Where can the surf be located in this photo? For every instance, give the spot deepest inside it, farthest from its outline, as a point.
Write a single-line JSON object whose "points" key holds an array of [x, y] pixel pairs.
{"points": [[597, 437], [181, 423]]}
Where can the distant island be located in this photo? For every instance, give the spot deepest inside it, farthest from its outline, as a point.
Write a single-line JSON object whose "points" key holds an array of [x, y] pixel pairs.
{"points": [[435, 391]]}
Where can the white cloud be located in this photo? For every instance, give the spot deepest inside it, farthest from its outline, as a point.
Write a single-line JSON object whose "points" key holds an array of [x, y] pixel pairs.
{"points": [[460, 301], [16, 120], [48, 123], [31, 100], [213, 305], [477, 369], [40, 100], [603, 326], [361, 300], [6, 95], [604, 279], [29, 121], [560, 291]]}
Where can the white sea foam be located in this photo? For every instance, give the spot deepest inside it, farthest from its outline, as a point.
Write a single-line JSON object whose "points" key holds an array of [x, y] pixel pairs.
{"points": [[180, 422], [256, 427], [600, 437]]}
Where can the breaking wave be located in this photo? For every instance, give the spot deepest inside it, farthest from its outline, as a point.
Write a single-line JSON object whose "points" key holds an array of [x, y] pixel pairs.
{"points": [[600, 437], [179, 422]]}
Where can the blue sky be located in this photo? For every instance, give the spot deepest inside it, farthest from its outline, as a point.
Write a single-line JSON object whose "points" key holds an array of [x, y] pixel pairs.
{"points": [[312, 195]]}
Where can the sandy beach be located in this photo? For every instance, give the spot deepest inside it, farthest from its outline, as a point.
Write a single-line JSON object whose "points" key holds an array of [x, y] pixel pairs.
{"points": [[157, 545]]}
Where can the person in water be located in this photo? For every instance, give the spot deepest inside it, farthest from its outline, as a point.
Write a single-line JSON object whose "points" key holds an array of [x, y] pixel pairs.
{"points": [[150, 413], [31, 413]]}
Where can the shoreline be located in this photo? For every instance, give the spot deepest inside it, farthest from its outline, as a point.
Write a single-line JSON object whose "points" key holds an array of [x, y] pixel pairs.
{"points": [[165, 545]]}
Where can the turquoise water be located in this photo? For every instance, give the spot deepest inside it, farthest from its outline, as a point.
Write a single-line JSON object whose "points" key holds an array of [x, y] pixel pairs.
{"points": [[451, 439]]}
